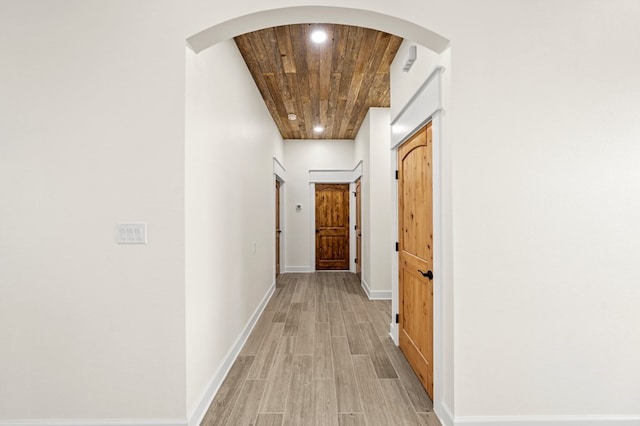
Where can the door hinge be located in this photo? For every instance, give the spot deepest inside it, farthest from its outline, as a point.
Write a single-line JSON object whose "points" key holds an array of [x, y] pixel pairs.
{"points": [[397, 247], [355, 227], [355, 260], [397, 318], [396, 175]]}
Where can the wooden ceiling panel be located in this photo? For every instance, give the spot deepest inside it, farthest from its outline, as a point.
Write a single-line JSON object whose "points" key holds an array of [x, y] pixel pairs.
{"points": [[332, 84]]}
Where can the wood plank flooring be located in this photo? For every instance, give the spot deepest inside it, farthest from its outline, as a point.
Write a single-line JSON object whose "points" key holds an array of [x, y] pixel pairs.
{"points": [[320, 354]]}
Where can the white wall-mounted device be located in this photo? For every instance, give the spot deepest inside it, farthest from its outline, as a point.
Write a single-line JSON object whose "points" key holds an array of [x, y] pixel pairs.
{"points": [[413, 55], [132, 233]]}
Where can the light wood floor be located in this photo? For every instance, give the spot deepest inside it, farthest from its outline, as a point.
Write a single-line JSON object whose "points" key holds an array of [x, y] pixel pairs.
{"points": [[321, 354]]}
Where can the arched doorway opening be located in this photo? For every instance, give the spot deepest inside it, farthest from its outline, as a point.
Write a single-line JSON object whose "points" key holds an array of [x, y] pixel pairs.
{"points": [[443, 309]]}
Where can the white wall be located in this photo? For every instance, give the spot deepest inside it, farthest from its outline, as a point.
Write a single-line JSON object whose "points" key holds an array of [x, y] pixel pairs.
{"points": [[542, 127], [230, 144], [300, 156], [372, 148], [362, 153], [545, 196], [91, 130]]}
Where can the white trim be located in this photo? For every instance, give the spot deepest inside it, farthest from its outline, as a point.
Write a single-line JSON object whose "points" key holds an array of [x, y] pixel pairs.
{"points": [[312, 226], [200, 409], [556, 420], [352, 226], [444, 414], [110, 422], [298, 269], [279, 170], [418, 110], [283, 237], [395, 309], [336, 176], [331, 176], [375, 294], [438, 279], [300, 14], [425, 106]]}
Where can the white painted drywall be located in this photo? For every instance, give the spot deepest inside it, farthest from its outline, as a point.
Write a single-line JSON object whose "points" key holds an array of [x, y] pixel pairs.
{"points": [[230, 144], [300, 156], [380, 198], [372, 148], [361, 153], [91, 131]]}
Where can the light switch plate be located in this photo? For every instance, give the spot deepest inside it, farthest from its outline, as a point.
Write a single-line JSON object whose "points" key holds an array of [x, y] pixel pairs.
{"points": [[132, 233]]}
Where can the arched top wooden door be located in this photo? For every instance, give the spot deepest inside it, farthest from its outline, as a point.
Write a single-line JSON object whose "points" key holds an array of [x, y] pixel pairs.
{"points": [[415, 257]]}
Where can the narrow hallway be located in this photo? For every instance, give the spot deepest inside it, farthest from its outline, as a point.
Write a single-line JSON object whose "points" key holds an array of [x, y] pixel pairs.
{"points": [[321, 354]]}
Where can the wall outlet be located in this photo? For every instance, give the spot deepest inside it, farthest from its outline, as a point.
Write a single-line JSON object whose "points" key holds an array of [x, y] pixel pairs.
{"points": [[132, 233]]}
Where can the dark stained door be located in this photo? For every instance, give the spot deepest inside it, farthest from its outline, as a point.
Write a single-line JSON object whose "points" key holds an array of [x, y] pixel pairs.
{"points": [[415, 215], [358, 229], [332, 226], [278, 230]]}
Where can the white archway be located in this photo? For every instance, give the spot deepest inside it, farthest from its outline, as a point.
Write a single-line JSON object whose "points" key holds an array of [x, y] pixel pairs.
{"points": [[365, 18], [305, 14]]}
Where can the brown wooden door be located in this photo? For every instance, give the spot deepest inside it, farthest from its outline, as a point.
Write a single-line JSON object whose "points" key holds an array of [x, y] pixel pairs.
{"points": [[332, 226], [415, 216], [278, 230], [358, 229]]}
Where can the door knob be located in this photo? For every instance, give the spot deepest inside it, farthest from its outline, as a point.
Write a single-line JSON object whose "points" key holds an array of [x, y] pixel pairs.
{"points": [[427, 274]]}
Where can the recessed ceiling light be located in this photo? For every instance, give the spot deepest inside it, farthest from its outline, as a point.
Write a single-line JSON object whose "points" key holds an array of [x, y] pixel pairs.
{"points": [[318, 129], [292, 116], [319, 36]]}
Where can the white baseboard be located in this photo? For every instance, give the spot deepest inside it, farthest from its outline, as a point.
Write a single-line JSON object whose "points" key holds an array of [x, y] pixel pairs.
{"points": [[548, 420], [213, 386], [375, 294], [110, 422], [299, 269], [444, 413]]}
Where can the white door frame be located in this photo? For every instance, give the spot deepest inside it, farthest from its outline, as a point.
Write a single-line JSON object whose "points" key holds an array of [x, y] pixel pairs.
{"points": [[280, 175], [332, 176]]}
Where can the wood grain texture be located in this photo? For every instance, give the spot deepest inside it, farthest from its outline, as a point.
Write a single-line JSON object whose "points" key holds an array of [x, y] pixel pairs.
{"points": [[373, 401], [397, 403], [326, 406], [264, 358], [332, 226], [379, 357], [275, 394], [327, 385], [344, 376], [222, 405], [269, 419], [352, 419], [245, 410], [417, 395], [322, 355], [300, 401], [306, 332], [415, 257], [333, 84]]}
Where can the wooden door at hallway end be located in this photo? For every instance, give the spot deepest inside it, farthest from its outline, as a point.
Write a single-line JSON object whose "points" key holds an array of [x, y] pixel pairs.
{"points": [[332, 226], [415, 257], [278, 230]]}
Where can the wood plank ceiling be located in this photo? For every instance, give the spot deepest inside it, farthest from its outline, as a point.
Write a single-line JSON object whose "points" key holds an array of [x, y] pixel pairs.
{"points": [[330, 84]]}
